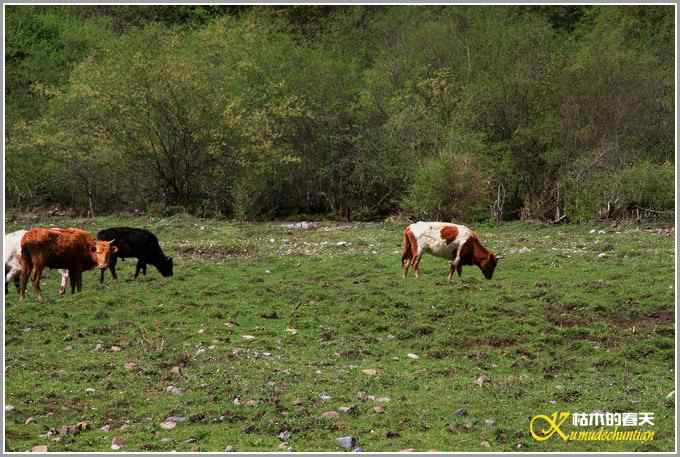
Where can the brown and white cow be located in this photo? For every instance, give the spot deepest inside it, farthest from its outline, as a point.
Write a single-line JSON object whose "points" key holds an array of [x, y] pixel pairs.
{"points": [[72, 249], [12, 258], [455, 242]]}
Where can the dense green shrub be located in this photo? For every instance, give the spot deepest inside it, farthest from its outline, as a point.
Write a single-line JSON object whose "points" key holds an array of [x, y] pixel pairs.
{"points": [[353, 112]]}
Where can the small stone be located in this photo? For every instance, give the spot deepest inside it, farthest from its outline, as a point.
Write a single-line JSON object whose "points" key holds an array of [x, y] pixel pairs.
{"points": [[190, 440], [489, 422], [358, 449], [379, 409], [485, 444], [166, 440], [346, 442], [39, 448], [251, 403], [176, 419], [330, 414], [229, 449], [248, 337], [283, 445], [200, 351], [116, 349], [460, 412], [98, 347], [292, 331], [381, 399], [29, 420], [174, 390], [117, 442], [601, 254], [670, 396], [201, 331], [370, 371], [481, 379], [324, 396], [9, 408], [176, 371], [90, 390], [284, 435], [592, 231], [553, 402], [412, 356], [130, 366], [168, 425], [237, 401], [105, 428]]}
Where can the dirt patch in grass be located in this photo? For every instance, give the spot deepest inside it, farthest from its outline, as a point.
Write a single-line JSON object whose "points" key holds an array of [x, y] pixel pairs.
{"points": [[620, 320], [655, 319]]}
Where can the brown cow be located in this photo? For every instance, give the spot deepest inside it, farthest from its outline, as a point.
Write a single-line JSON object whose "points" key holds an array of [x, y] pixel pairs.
{"points": [[72, 249]]}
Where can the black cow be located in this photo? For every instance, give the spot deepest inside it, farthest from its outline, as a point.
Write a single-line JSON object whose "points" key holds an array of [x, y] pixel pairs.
{"points": [[138, 243]]}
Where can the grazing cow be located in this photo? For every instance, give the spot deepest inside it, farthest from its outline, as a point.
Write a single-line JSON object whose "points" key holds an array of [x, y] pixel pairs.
{"points": [[12, 259], [455, 242], [72, 249], [138, 243]]}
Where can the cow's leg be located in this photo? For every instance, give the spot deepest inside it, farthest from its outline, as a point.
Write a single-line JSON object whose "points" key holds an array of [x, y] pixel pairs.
{"points": [[415, 262], [75, 276], [25, 272], [12, 275], [138, 268], [64, 280], [112, 266], [37, 274], [406, 254], [457, 263], [144, 268]]}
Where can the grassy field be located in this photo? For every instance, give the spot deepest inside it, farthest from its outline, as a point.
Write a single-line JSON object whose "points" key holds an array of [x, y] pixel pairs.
{"points": [[264, 328]]}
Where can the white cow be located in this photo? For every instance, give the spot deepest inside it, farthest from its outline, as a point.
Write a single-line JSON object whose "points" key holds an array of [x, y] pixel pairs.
{"points": [[12, 259]]}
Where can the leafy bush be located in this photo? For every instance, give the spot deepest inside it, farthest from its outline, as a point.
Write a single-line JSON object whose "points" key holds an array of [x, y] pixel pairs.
{"points": [[449, 188]]}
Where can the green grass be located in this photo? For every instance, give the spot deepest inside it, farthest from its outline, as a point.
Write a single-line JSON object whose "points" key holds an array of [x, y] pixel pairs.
{"points": [[557, 329]]}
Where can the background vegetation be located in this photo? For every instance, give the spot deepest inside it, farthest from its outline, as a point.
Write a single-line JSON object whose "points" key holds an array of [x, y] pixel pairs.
{"points": [[357, 112]]}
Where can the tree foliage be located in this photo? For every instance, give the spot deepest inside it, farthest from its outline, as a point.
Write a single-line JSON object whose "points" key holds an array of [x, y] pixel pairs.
{"points": [[258, 112]]}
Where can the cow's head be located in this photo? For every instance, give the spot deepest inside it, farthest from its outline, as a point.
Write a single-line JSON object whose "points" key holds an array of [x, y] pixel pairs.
{"points": [[101, 252], [488, 265], [165, 266]]}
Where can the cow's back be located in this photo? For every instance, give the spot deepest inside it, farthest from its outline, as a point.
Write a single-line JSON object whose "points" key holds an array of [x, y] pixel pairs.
{"points": [[59, 248], [132, 242], [439, 238]]}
